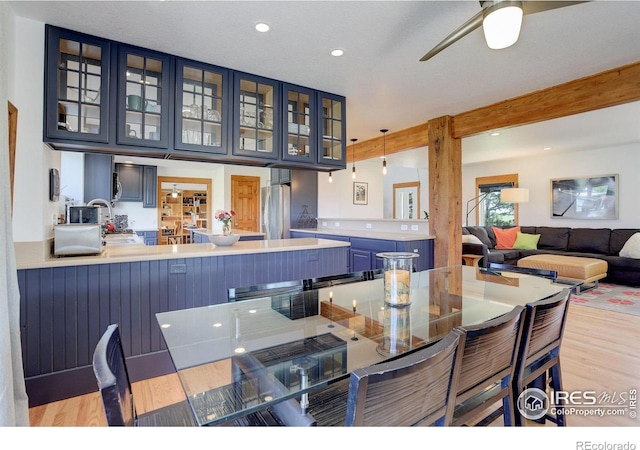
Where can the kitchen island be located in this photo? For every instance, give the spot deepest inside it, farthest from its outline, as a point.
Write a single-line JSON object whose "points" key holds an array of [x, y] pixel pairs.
{"points": [[67, 303], [201, 235], [367, 243]]}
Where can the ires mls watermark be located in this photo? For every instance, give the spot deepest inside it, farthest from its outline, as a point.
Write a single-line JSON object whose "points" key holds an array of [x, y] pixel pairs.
{"points": [[534, 403]]}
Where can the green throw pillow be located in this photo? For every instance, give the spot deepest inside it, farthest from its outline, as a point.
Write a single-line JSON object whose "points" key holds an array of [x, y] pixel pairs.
{"points": [[526, 241]]}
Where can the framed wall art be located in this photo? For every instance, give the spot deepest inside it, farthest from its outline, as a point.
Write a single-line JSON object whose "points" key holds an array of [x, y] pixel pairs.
{"points": [[585, 197], [360, 193]]}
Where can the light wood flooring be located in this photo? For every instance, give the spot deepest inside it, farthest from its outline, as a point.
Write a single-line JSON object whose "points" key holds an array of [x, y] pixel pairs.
{"points": [[600, 353]]}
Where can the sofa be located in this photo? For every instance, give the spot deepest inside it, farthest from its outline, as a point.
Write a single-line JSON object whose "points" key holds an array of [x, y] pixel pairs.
{"points": [[601, 243]]}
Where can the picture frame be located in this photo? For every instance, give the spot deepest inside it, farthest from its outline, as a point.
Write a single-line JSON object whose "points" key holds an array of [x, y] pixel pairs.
{"points": [[360, 193], [585, 198]]}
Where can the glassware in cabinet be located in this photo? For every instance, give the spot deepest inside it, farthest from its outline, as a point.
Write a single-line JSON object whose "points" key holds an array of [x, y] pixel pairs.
{"points": [[256, 128], [201, 123], [143, 98]]}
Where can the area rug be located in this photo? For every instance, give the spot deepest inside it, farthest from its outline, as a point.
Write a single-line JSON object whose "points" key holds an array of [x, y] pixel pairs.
{"points": [[611, 297]]}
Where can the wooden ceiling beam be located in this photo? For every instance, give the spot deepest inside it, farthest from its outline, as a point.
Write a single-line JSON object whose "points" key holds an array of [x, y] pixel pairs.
{"points": [[613, 87], [413, 137], [610, 88]]}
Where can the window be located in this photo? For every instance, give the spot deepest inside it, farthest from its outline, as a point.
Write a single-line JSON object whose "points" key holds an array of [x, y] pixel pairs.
{"points": [[490, 211]]}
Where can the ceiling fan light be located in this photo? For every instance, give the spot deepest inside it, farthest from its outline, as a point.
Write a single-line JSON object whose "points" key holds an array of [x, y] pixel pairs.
{"points": [[501, 24]]}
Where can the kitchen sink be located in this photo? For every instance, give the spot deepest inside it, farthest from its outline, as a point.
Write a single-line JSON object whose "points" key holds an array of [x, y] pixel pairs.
{"points": [[112, 239]]}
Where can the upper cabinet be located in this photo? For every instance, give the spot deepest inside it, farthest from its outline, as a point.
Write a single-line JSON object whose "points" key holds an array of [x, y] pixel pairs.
{"points": [[257, 116], [109, 97], [300, 126], [332, 125], [76, 86], [202, 107], [143, 97]]}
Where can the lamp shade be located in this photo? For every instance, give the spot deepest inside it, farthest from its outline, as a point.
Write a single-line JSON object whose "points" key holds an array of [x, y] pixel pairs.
{"points": [[514, 195], [501, 24]]}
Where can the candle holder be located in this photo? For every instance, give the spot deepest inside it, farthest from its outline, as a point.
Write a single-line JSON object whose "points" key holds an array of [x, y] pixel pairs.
{"points": [[397, 277], [396, 332], [354, 337], [331, 325]]}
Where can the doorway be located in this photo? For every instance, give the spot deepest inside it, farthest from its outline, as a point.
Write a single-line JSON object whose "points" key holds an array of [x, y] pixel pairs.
{"points": [[182, 203], [245, 201], [406, 200]]}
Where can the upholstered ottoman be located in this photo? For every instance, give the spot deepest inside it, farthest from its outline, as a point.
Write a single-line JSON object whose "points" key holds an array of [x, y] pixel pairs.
{"points": [[569, 268]]}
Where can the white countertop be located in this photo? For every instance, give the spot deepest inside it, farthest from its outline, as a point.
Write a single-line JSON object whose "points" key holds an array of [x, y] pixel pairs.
{"points": [[384, 235], [31, 256]]}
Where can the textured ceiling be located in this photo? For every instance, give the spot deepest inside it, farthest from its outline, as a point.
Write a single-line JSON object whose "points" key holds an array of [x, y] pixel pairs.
{"points": [[380, 73]]}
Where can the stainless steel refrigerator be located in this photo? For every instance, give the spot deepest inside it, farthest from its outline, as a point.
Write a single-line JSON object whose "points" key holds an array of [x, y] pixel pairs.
{"points": [[275, 207]]}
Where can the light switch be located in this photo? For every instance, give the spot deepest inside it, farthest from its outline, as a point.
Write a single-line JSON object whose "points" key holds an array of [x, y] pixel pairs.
{"points": [[414, 227], [368, 225], [403, 227]]}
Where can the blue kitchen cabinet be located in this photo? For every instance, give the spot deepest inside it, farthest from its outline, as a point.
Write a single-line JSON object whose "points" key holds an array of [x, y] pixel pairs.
{"points": [[203, 110], [98, 176], [256, 125], [299, 124], [150, 237], [331, 124], [76, 87], [150, 187], [130, 178], [143, 97]]}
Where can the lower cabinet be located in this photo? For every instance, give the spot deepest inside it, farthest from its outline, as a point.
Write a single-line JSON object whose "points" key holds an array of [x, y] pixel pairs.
{"points": [[362, 254], [149, 237]]}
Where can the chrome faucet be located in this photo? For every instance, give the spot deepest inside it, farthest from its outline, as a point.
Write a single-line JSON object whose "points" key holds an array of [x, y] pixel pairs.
{"points": [[107, 203]]}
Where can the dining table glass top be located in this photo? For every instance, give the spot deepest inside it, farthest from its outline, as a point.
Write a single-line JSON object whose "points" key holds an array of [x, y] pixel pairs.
{"points": [[237, 358]]}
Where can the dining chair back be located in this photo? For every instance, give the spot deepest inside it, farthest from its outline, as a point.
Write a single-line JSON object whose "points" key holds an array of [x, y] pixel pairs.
{"points": [[417, 389], [487, 370], [538, 362], [110, 369]]}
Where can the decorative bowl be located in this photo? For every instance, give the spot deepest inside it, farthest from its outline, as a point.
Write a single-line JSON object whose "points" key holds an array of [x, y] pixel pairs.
{"points": [[224, 241]]}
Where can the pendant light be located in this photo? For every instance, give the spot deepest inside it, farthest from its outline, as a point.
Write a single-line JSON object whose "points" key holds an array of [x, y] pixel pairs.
{"points": [[330, 178], [174, 193], [353, 155], [384, 151]]}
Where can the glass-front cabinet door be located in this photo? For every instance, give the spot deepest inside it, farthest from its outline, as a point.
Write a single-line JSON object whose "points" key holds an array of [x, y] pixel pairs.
{"points": [[332, 117], [299, 127], [201, 107], [143, 97], [76, 86], [257, 112]]}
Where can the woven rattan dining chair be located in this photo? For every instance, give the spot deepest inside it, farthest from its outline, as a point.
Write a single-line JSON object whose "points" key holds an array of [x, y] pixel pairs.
{"points": [[487, 370], [417, 389], [538, 362], [109, 366]]}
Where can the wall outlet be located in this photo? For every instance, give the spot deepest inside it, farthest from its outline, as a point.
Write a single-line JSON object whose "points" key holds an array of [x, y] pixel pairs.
{"points": [[178, 268], [403, 227], [337, 224], [414, 227], [368, 225], [415, 250], [324, 224]]}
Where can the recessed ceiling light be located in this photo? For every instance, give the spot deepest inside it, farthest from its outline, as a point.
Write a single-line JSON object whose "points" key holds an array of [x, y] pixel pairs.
{"points": [[495, 133], [547, 148], [262, 27], [337, 52]]}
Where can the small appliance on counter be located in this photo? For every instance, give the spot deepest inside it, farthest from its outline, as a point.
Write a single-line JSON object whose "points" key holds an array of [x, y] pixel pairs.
{"points": [[73, 239], [86, 214]]}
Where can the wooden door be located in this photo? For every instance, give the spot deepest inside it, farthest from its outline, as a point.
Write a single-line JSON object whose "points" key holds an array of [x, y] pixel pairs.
{"points": [[245, 201]]}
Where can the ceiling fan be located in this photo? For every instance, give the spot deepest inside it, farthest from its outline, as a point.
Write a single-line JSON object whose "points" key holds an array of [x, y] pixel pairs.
{"points": [[501, 22]]}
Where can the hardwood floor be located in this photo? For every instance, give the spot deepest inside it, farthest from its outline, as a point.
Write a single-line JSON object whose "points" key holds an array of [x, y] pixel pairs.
{"points": [[600, 353]]}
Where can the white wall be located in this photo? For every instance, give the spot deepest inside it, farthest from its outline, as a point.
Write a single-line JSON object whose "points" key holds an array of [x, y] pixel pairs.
{"points": [[535, 173], [33, 214], [335, 199]]}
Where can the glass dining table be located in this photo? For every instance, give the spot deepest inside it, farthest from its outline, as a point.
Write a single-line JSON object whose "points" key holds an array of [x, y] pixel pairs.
{"points": [[241, 357]]}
